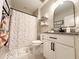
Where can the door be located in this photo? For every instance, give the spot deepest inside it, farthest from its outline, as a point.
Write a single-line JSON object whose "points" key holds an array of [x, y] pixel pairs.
{"points": [[48, 49], [64, 52]]}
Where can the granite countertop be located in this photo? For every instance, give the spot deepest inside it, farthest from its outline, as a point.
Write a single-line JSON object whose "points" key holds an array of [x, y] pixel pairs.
{"points": [[62, 33]]}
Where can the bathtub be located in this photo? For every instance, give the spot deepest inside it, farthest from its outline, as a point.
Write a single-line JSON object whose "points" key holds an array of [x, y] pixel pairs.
{"points": [[20, 53]]}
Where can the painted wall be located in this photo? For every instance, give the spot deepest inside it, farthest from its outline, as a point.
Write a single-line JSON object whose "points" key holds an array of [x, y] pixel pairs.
{"points": [[1, 3], [9, 2]]}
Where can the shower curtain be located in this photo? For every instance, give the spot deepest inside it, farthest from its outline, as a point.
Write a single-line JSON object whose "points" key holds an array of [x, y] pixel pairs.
{"points": [[23, 30]]}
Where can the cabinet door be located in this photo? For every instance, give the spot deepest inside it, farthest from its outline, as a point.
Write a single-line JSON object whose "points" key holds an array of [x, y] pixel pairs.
{"points": [[64, 52], [48, 49]]}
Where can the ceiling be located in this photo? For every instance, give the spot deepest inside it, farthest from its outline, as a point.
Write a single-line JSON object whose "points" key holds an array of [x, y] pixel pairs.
{"points": [[28, 6]]}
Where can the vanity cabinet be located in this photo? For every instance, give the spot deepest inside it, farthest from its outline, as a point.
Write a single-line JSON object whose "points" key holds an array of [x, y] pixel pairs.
{"points": [[48, 49], [58, 46]]}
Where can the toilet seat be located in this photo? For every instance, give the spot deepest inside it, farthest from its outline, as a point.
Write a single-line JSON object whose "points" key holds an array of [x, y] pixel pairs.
{"points": [[37, 42]]}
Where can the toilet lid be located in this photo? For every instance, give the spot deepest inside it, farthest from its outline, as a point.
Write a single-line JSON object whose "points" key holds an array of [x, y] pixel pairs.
{"points": [[37, 42]]}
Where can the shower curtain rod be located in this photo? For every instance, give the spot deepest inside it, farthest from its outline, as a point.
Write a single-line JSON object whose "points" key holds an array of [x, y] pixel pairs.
{"points": [[22, 11], [7, 4], [7, 12]]}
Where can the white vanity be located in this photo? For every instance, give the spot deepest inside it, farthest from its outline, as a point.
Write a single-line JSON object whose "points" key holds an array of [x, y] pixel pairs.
{"points": [[60, 45]]}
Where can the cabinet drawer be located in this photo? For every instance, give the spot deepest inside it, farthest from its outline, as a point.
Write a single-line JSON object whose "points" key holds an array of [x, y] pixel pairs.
{"points": [[64, 39]]}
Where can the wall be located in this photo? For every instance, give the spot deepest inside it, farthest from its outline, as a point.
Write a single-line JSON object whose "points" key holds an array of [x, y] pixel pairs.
{"points": [[9, 3], [45, 11], [46, 7], [77, 14], [1, 3], [77, 28]]}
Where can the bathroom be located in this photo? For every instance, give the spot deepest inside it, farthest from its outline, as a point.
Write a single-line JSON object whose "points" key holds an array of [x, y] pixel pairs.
{"points": [[39, 29]]}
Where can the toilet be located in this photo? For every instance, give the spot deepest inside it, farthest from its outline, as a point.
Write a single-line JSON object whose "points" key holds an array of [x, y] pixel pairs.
{"points": [[36, 46]]}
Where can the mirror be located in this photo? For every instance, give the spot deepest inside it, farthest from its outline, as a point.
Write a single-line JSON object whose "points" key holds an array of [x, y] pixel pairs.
{"points": [[64, 15]]}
